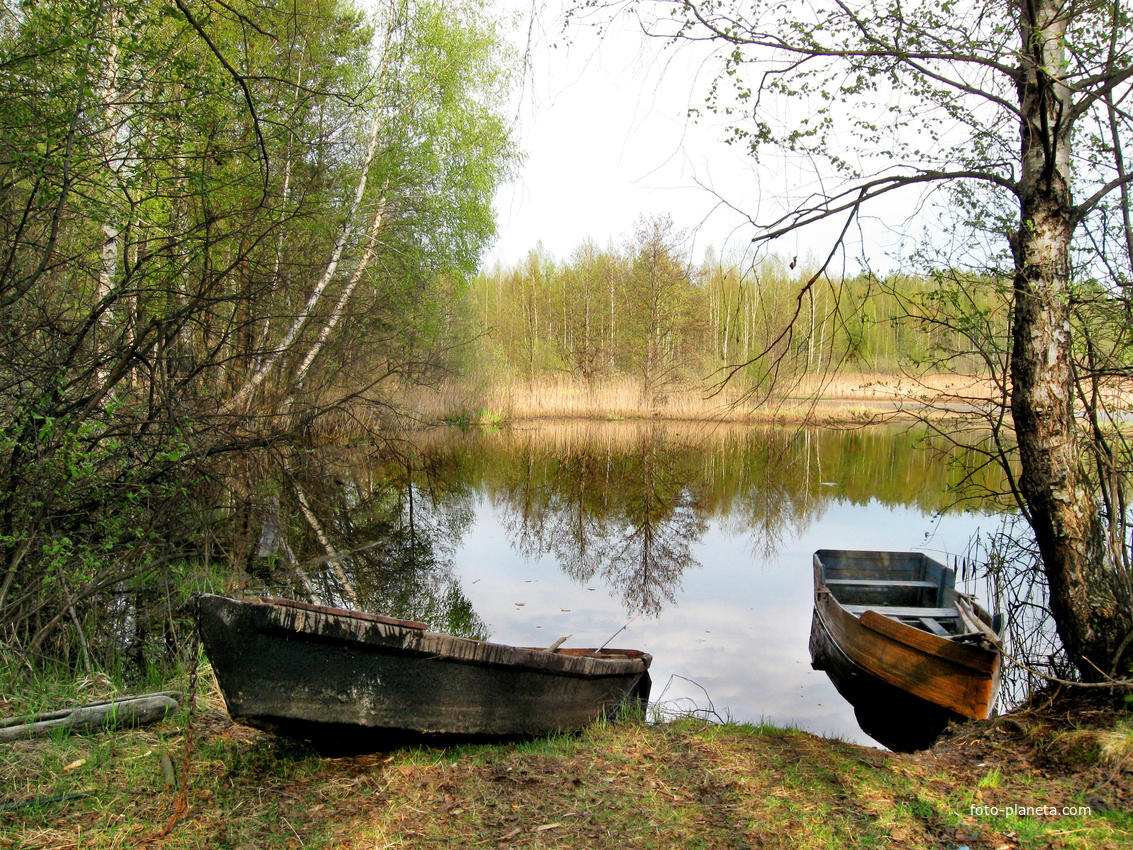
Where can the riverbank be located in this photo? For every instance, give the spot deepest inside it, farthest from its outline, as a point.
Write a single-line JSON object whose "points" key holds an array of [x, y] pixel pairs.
{"points": [[857, 398], [1058, 774]]}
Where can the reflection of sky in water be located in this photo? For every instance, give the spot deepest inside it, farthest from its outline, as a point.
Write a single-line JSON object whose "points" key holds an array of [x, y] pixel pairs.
{"points": [[741, 623]]}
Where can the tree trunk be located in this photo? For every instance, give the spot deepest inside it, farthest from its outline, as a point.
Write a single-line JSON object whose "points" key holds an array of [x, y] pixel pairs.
{"points": [[316, 295], [114, 157], [1089, 601], [344, 298]]}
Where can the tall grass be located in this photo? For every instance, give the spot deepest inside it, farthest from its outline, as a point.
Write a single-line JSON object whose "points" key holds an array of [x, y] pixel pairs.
{"points": [[560, 397], [499, 397]]}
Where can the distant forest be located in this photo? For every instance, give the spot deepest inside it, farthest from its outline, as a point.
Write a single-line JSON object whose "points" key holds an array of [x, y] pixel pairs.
{"points": [[644, 311]]}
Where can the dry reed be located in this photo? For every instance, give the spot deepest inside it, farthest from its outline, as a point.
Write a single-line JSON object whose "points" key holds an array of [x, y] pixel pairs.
{"points": [[808, 399], [811, 397]]}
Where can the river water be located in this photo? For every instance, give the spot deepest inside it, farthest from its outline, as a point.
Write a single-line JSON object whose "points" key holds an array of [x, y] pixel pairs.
{"points": [[696, 539]]}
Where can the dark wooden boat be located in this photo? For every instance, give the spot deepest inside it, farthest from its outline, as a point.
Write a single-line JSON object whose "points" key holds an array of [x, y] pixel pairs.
{"points": [[894, 623], [331, 675]]}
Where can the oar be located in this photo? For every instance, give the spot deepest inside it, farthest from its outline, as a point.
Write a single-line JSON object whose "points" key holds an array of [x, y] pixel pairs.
{"points": [[971, 618], [615, 634]]}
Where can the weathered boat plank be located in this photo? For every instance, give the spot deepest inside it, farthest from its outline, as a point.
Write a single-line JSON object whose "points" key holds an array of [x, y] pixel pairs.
{"points": [[893, 717], [973, 657], [881, 583], [908, 611], [94, 717]]}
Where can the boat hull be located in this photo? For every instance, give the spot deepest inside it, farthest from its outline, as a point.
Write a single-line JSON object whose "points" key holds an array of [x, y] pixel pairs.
{"points": [[894, 718], [326, 674], [959, 677]]}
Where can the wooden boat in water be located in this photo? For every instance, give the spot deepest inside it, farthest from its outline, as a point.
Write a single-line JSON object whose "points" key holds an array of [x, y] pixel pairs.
{"points": [[353, 679], [893, 625]]}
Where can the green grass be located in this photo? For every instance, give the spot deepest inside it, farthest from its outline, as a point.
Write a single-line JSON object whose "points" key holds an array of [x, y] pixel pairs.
{"points": [[682, 784], [992, 779]]}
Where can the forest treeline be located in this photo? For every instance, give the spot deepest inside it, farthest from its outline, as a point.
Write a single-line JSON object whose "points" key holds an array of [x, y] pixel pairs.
{"points": [[644, 311]]}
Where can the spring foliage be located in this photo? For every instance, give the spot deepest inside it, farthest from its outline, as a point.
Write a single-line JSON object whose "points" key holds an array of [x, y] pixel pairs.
{"points": [[218, 221]]}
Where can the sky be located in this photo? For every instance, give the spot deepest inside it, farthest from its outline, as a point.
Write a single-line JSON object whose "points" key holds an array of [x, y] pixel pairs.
{"points": [[606, 140], [604, 128]]}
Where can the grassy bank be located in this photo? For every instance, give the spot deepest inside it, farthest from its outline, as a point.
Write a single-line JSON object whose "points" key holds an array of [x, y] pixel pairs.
{"points": [[681, 784]]}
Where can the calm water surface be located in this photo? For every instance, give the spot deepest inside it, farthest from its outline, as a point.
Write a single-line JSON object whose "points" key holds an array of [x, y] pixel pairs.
{"points": [[699, 538], [732, 638]]}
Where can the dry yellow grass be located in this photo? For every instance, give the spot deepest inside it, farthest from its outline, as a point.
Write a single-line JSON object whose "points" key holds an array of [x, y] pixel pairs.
{"points": [[896, 388], [809, 397], [1117, 745]]}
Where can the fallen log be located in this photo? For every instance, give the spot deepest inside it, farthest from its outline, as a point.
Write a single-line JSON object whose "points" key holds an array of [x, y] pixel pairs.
{"points": [[52, 715], [94, 717]]}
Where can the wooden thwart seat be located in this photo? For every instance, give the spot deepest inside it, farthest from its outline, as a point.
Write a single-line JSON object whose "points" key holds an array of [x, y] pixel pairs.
{"points": [[909, 612], [873, 582]]}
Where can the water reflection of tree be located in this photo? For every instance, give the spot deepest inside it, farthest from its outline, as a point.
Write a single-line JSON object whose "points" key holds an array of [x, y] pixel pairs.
{"points": [[628, 507], [774, 482], [764, 483], [376, 533], [628, 517], [624, 504]]}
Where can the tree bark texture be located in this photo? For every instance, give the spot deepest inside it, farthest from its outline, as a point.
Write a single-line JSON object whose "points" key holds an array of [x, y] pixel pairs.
{"points": [[1089, 600]]}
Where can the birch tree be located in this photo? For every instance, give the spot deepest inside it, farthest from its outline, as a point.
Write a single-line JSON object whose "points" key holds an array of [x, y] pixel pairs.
{"points": [[1012, 116], [659, 292], [207, 209]]}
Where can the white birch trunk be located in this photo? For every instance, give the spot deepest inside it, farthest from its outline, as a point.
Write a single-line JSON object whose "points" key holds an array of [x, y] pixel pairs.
{"points": [[344, 299], [320, 287], [114, 158]]}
